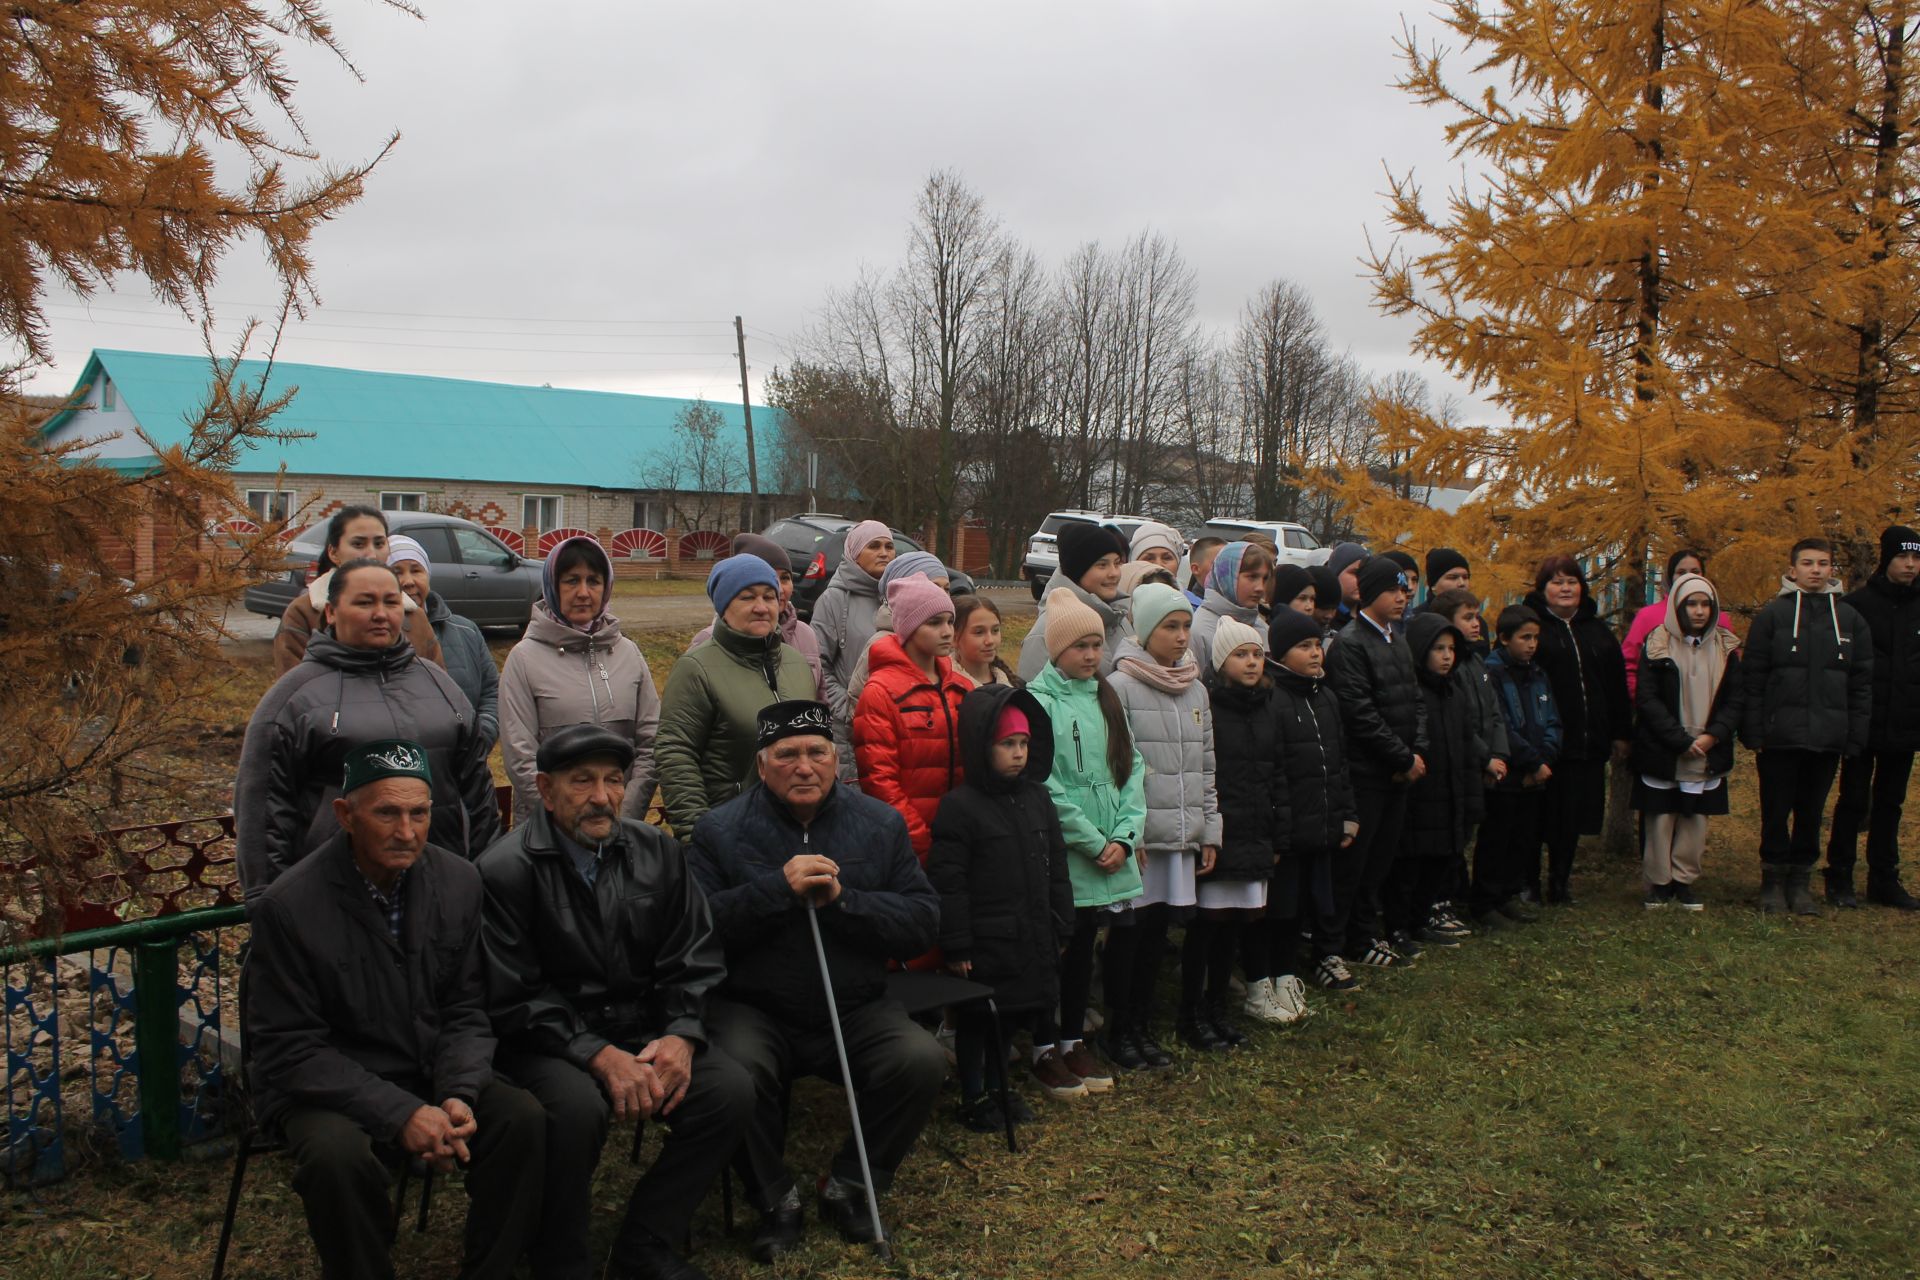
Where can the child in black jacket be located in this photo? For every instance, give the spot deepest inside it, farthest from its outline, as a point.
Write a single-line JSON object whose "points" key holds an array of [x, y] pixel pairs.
{"points": [[1314, 814], [999, 862], [1446, 803], [1510, 837]]}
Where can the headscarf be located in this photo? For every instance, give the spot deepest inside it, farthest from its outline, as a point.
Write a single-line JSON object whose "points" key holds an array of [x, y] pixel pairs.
{"points": [[1224, 576], [861, 534], [550, 583], [401, 547], [908, 563], [1701, 664]]}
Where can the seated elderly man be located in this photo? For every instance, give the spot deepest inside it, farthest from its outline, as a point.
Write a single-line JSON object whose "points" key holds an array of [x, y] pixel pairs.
{"points": [[365, 1017], [600, 954], [796, 842]]}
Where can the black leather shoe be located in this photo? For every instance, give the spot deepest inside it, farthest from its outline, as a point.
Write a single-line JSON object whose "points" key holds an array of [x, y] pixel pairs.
{"points": [[651, 1261], [779, 1230], [1516, 910], [1195, 1032], [1122, 1050], [1891, 895], [1221, 1020], [844, 1204], [1158, 1059], [1840, 892]]}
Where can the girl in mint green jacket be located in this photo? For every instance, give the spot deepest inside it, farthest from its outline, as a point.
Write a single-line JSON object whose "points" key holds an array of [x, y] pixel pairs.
{"points": [[1098, 787]]}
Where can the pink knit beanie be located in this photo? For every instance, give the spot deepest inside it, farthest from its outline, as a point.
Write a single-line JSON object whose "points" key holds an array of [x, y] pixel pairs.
{"points": [[913, 600]]}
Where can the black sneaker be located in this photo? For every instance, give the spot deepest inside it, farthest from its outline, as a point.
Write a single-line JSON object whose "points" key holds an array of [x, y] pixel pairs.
{"points": [[1196, 1032], [1221, 1020], [1436, 937], [1332, 974], [1516, 910], [1683, 897], [1380, 955], [982, 1114], [1657, 896], [1403, 942], [844, 1204], [1158, 1059], [1445, 920]]}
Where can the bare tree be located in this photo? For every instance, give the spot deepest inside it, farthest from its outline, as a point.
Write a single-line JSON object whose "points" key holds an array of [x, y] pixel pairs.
{"points": [[702, 475], [1151, 332]]}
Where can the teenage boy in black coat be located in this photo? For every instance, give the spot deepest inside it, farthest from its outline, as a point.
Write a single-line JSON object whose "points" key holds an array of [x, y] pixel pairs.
{"points": [[1809, 674], [1385, 724], [1873, 784]]}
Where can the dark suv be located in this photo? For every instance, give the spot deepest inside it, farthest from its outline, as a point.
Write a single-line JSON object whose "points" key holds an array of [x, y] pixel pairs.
{"points": [[816, 543], [478, 575]]}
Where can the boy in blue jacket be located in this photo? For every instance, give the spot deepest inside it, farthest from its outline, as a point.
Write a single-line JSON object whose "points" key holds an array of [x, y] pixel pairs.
{"points": [[1510, 834]]}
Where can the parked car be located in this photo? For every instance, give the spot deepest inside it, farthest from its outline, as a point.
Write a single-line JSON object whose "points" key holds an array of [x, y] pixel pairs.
{"points": [[816, 543], [479, 576], [1043, 554], [1297, 545]]}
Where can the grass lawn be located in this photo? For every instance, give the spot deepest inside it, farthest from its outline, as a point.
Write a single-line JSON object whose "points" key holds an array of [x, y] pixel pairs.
{"points": [[1611, 1092], [644, 588]]}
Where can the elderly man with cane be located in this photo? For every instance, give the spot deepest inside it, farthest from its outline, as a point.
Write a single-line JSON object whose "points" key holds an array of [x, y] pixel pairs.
{"points": [[809, 880], [366, 1023], [600, 955]]}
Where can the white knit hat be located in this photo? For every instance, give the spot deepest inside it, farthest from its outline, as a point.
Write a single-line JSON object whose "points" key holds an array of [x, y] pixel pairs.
{"points": [[1230, 635]]}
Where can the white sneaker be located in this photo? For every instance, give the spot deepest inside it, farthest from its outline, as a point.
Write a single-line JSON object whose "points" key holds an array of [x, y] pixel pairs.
{"points": [[1291, 994], [1263, 1005]]}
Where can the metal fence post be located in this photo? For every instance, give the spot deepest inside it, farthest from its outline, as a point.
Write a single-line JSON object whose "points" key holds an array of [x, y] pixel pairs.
{"points": [[156, 1038]]}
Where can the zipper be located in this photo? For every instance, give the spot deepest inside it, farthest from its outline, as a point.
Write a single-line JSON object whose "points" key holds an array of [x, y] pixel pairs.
{"points": [[1079, 761], [1580, 669]]}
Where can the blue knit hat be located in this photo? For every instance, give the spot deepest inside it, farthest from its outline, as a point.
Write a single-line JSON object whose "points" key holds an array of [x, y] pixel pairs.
{"points": [[735, 574]]}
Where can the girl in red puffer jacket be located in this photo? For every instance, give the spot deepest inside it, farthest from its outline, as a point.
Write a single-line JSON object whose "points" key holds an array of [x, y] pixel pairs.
{"points": [[906, 726]]}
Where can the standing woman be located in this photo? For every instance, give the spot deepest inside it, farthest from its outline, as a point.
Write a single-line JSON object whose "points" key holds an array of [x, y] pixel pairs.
{"points": [[1170, 718], [1690, 700], [1236, 586], [359, 682], [1090, 559], [353, 533], [976, 642], [574, 667], [463, 650], [792, 630], [709, 716], [1582, 660], [843, 623], [906, 726]]}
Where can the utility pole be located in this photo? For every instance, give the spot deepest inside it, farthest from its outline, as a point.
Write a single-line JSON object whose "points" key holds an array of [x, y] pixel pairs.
{"points": [[746, 408]]}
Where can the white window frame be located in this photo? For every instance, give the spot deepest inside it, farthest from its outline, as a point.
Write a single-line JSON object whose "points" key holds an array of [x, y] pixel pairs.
{"points": [[652, 509], [401, 496], [282, 498], [559, 511]]}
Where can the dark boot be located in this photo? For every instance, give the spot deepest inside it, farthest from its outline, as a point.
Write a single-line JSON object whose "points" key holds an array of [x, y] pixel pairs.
{"points": [[1799, 897], [1117, 1043], [1220, 1018], [1840, 889], [1773, 889], [1886, 891], [1195, 1031]]}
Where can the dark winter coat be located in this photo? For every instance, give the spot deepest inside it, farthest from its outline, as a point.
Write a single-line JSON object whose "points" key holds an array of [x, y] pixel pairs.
{"points": [[1659, 737], [1314, 790], [886, 909], [1246, 743], [1524, 695], [1382, 715], [1582, 658], [999, 861], [340, 1016], [1809, 674], [1471, 674], [1892, 614], [1448, 800], [572, 967], [464, 653], [293, 758]]}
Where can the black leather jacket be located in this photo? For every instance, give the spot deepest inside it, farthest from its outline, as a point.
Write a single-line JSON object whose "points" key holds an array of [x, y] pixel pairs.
{"points": [[572, 968]]}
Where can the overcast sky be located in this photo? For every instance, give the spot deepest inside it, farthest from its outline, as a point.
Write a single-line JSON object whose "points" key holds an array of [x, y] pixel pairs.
{"points": [[586, 194]]}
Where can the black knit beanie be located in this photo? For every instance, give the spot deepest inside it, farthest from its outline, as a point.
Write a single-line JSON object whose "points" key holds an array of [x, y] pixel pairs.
{"points": [[1377, 575], [1444, 560], [1405, 561], [1288, 629], [1289, 580], [1082, 544], [1895, 539], [1326, 587]]}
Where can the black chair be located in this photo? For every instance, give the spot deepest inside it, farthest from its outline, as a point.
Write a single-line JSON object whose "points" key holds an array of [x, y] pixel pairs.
{"points": [[922, 992]]}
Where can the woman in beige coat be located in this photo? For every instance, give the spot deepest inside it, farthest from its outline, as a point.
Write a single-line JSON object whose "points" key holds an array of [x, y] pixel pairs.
{"points": [[574, 667]]}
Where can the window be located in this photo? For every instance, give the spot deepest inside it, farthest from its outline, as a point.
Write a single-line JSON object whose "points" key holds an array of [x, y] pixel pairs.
{"points": [[647, 514], [109, 398], [269, 505], [432, 539], [540, 511], [402, 502], [476, 547], [1301, 540]]}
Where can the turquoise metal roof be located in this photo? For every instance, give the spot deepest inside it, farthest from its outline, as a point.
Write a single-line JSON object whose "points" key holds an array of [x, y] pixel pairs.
{"points": [[408, 426]]}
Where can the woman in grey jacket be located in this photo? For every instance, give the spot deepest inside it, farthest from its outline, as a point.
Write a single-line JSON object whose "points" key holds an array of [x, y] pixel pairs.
{"points": [[463, 650], [574, 667], [843, 623], [359, 681]]}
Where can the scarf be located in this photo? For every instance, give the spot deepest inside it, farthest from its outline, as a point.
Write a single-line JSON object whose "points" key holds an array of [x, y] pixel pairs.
{"points": [[1174, 680], [1702, 661]]}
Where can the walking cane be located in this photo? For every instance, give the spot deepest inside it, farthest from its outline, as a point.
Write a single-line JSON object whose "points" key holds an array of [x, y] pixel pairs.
{"points": [[880, 1245]]}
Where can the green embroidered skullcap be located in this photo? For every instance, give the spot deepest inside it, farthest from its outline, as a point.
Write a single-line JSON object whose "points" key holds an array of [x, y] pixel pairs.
{"points": [[388, 758]]}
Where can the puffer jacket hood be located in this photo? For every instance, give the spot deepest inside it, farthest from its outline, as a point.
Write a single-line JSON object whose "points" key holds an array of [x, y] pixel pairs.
{"points": [[1423, 632], [550, 585], [979, 713]]}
